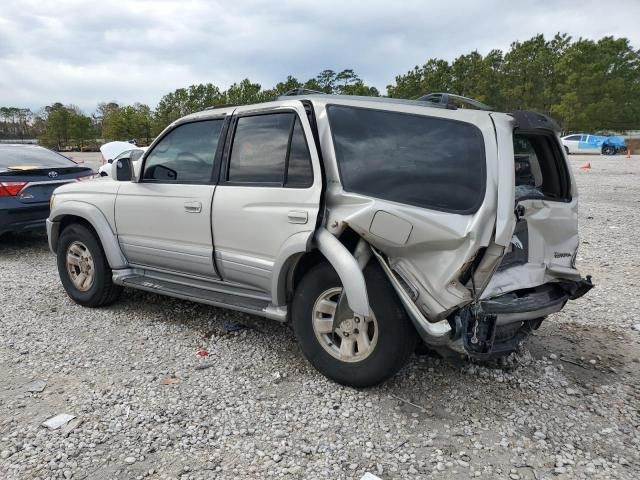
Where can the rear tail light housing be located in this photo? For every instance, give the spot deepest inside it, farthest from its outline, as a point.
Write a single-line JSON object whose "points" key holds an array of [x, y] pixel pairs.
{"points": [[11, 189]]}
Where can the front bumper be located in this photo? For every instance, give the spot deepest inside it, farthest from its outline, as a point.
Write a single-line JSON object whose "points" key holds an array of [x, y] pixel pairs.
{"points": [[23, 218], [52, 234]]}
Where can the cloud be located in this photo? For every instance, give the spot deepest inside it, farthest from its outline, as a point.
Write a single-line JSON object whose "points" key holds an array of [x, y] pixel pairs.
{"points": [[85, 52]]}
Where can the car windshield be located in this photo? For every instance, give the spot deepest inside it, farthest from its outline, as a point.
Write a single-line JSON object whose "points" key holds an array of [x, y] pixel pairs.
{"points": [[31, 156], [125, 154]]}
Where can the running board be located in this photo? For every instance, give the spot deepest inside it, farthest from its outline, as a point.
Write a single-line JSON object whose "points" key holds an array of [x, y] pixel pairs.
{"points": [[240, 303]]}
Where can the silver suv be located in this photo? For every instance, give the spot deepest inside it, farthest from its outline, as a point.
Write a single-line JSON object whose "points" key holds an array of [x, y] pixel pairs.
{"points": [[368, 224]]}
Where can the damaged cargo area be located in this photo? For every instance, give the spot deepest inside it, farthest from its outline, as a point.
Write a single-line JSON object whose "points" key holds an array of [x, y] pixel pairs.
{"points": [[466, 290]]}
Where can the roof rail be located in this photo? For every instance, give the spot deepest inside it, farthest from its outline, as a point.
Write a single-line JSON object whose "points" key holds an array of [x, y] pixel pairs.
{"points": [[444, 100], [301, 91], [224, 105]]}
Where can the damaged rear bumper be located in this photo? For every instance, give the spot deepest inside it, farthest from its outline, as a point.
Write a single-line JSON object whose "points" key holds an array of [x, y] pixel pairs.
{"points": [[536, 302], [496, 326]]}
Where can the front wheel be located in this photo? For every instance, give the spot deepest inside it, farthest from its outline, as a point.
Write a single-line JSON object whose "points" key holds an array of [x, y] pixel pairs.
{"points": [[354, 351], [83, 268]]}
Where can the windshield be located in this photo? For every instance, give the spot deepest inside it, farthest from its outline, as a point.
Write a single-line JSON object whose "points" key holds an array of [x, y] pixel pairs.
{"points": [[31, 156]]}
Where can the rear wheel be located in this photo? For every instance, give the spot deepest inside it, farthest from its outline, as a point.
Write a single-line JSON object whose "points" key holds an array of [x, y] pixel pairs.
{"points": [[83, 268], [566, 149], [351, 350], [608, 150]]}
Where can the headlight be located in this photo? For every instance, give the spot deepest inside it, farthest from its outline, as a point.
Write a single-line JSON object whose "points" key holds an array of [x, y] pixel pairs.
{"points": [[51, 201]]}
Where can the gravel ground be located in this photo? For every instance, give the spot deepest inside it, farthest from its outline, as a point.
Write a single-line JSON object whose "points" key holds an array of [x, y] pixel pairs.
{"points": [[151, 407]]}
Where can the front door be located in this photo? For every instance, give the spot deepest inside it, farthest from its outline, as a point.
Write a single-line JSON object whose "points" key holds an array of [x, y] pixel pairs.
{"points": [[269, 192], [164, 219]]}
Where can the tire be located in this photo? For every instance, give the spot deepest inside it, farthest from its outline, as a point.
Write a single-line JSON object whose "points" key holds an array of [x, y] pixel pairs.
{"points": [[390, 350], [608, 150], [97, 289], [566, 149]]}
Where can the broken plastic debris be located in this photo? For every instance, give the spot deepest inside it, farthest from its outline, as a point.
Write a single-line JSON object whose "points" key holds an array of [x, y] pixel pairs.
{"points": [[72, 425], [202, 353], [370, 476], [233, 326], [170, 380], [36, 386], [56, 422]]}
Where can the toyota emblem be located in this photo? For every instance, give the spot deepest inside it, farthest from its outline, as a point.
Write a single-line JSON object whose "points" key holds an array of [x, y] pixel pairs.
{"points": [[53, 174]]}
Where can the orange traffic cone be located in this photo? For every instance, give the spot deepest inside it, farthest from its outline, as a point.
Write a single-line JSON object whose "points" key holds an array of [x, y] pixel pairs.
{"points": [[586, 166], [628, 153]]}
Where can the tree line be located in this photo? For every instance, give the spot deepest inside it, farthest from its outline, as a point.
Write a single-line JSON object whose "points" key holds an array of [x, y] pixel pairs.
{"points": [[586, 85]]}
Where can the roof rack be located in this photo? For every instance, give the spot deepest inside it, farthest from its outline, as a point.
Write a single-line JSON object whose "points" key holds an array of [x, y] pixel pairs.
{"points": [[444, 100], [301, 91], [224, 105]]}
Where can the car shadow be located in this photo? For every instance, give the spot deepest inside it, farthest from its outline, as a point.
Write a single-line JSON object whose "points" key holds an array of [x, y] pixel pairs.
{"points": [[30, 239]]}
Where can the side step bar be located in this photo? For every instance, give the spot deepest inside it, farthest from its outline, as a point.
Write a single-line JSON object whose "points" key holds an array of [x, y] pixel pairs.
{"points": [[240, 303]]}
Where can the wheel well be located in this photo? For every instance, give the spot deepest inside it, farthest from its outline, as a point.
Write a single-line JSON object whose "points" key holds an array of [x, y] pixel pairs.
{"points": [[68, 220]]}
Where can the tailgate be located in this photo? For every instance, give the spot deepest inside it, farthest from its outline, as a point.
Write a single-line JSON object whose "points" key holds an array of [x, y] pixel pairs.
{"points": [[542, 224]]}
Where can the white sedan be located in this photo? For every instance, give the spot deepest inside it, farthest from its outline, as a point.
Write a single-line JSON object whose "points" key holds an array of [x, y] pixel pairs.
{"points": [[113, 151]]}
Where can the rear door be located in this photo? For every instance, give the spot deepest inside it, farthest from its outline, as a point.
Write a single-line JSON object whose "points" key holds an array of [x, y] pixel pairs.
{"points": [[164, 220], [589, 144], [269, 191], [571, 142]]}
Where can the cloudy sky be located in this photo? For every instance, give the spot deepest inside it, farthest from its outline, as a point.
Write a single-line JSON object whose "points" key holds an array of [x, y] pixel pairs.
{"points": [[85, 52]]}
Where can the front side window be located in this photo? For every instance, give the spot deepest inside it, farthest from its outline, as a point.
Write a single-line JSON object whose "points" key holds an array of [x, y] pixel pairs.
{"points": [[424, 161], [272, 150], [185, 154]]}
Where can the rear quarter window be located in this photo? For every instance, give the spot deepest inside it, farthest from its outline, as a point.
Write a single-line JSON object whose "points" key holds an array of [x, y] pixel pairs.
{"points": [[418, 160]]}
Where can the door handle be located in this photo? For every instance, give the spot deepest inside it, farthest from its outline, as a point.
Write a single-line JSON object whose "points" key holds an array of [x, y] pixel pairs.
{"points": [[193, 207], [298, 216]]}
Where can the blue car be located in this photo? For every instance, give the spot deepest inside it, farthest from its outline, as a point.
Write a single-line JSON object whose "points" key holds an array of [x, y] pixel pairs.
{"points": [[28, 176], [582, 143]]}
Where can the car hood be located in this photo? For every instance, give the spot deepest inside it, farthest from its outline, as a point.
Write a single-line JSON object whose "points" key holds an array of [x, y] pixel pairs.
{"points": [[112, 149]]}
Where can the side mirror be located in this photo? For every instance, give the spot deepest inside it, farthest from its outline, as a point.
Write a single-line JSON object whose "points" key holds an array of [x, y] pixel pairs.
{"points": [[110, 160], [123, 170]]}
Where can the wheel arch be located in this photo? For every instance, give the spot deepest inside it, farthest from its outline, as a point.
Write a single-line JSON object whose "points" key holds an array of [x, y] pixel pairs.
{"points": [[91, 217]]}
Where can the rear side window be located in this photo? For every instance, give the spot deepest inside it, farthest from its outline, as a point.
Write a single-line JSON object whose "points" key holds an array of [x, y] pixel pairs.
{"points": [[299, 172], [424, 161], [271, 150], [540, 169], [185, 154]]}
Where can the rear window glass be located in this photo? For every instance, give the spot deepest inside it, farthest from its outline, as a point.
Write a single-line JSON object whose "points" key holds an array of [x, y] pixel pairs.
{"points": [[418, 160], [31, 156]]}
